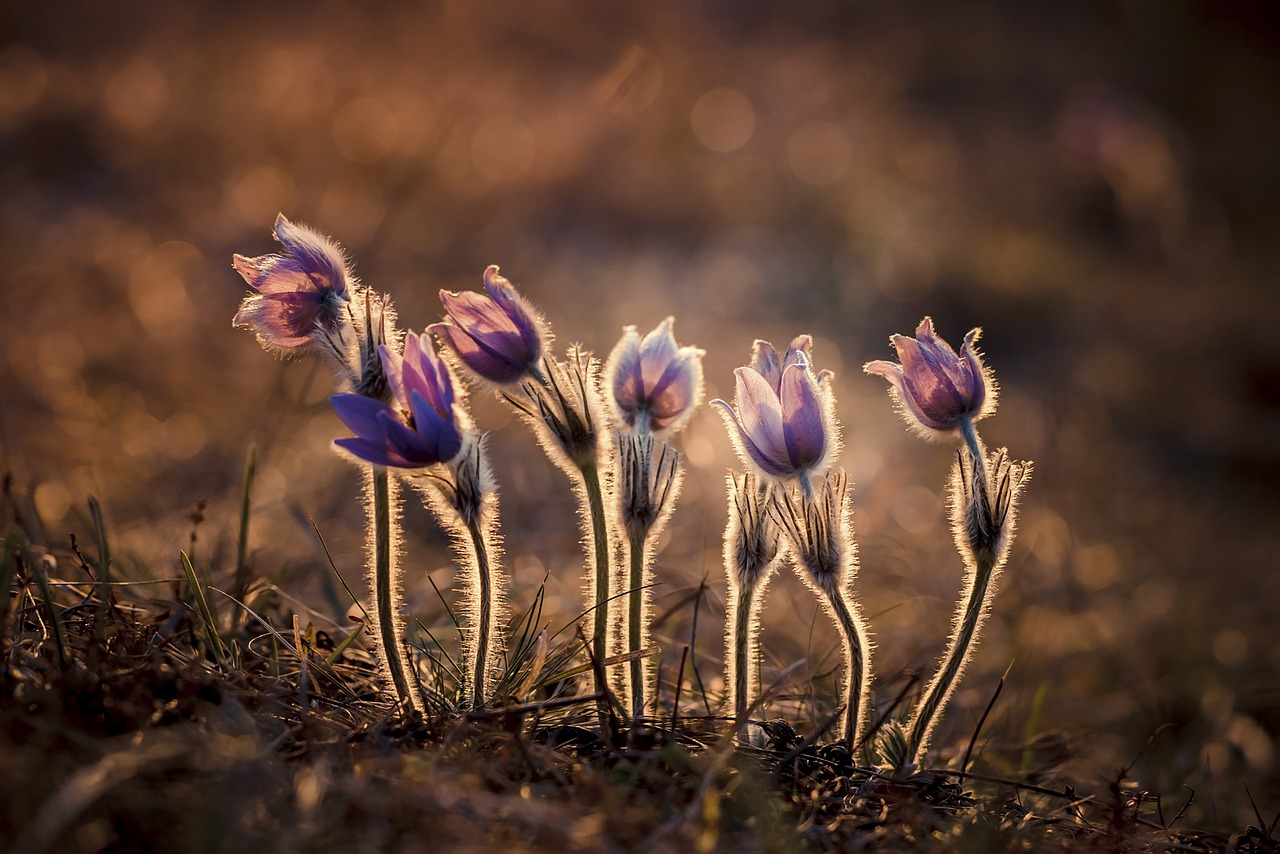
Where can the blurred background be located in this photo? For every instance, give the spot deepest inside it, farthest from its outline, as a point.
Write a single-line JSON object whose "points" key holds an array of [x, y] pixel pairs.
{"points": [[1093, 183]]}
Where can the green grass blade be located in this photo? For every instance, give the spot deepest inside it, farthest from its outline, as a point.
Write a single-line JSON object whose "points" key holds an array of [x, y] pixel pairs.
{"points": [[104, 569], [206, 613]]}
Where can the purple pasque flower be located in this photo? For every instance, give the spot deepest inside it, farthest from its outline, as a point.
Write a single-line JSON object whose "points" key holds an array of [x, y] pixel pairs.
{"points": [[422, 426], [300, 297], [498, 337], [655, 384], [937, 391], [782, 423]]}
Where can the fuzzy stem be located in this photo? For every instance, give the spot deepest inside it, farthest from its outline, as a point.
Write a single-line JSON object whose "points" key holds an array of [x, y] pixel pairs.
{"points": [[390, 646], [854, 636], [971, 439], [958, 652], [484, 580], [636, 624], [600, 540], [743, 631]]}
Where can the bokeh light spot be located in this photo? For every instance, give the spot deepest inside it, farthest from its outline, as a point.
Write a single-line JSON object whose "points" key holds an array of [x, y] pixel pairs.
{"points": [[136, 96], [1230, 647], [723, 120], [53, 501], [261, 193], [23, 78], [820, 153], [365, 130], [503, 149]]}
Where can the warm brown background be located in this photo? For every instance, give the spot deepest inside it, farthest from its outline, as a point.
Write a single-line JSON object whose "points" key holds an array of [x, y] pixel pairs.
{"points": [[1094, 183]]}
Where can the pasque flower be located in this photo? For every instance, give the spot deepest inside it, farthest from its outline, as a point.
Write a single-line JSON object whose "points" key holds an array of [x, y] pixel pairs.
{"points": [[936, 389], [654, 384], [301, 297], [782, 424], [422, 428], [499, 337]]}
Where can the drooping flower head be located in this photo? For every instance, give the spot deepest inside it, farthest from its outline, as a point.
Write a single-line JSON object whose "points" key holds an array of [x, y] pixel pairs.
{"points": [[782, 423], [422, 428], [937, 390], [499, 337], [654, 384], [300, 300]]}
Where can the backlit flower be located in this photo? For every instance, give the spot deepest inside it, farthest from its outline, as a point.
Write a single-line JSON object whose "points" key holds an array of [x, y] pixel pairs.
{"points": [[654, 383], [937, 390], [301, 297], [499, 337], [783, 429], [421, 428]]}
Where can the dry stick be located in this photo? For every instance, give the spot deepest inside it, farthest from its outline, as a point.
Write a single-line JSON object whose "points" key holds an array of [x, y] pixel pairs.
{"points": [[991, 704]]}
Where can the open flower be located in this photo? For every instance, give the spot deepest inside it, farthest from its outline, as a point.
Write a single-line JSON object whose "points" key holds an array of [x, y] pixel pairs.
{"points": [[422, 428], [785, 429], [300, 297], [498, 337], [655, 384], [937, 390]]}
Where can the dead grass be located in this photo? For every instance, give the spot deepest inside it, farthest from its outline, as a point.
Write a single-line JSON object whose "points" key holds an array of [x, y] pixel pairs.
{"points": [[136, 718]]}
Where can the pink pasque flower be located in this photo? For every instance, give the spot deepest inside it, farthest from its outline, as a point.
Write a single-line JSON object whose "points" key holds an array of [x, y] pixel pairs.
{"points": [[301, 297], [654, 384], [936, 389]]}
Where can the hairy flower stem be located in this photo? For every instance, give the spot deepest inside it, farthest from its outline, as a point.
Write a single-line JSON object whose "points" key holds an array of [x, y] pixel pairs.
{"points": [[744, 631], [484, 616], [858, 677], [391, 648], [971, 612], [600, 541], [636, 625]]}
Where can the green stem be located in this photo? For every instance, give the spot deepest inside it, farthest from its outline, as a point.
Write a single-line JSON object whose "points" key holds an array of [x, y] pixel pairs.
{"points": [[636, 626], [484, 579], [855, 646], [389, 636], [600, 540], [927, 712]]}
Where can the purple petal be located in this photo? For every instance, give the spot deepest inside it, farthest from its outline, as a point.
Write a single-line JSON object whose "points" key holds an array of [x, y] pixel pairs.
{"points": [[757, 457], [517, 310], [279, 321], [316, 256], [375, 454], [764, 359], [801, 345], [624, 368], [437, 435], [360, 414], [804, 426], [673, 394], [393, 367], [480, 359], [760, 412], [656, 352]]}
